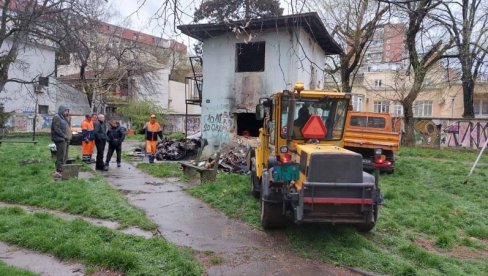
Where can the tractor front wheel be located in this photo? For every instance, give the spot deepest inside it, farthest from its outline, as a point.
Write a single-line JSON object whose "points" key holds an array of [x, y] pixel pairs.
{"points": [[255, 182], [272, 216]]}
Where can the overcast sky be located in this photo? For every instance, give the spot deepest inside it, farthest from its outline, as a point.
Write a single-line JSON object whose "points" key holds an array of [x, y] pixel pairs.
{"points": [[141, 15]]}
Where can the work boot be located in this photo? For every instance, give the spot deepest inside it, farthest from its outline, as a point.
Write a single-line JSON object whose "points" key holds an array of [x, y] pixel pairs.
{"points": [[118, 165], [105, 168], [151, 158]]}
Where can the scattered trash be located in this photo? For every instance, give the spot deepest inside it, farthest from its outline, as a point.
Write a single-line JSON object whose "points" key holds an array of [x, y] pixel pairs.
{"points": [[233, 156], [176, 149]]}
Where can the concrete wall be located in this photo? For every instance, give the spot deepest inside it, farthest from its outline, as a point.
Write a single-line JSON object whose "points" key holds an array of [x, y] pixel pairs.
{"points": [[176, 123], [177, 99], [153, 86], [226, 92], [451, 133], [32, 61]]}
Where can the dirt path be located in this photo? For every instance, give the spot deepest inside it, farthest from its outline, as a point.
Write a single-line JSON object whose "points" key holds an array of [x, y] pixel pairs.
{"points": [[228, 247], [42, 264]]}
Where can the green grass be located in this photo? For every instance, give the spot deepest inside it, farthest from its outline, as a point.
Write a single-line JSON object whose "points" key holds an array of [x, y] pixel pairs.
{"points": [[13, 271], [161, 169], [230, 194], [94, 246], [424, 200], [32, 184]]}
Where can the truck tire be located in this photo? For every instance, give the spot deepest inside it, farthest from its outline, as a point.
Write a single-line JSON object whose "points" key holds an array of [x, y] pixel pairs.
{"points": [[272, 216], [366, 227], [255, 181]]}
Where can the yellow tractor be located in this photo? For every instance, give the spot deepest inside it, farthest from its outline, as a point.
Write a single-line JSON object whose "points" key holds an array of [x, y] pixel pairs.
{"points": [[301, 168]]}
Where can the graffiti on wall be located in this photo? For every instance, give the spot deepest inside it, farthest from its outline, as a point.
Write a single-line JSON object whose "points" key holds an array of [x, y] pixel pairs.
{"points": [[451, 133], [24, 123], [218, 126], [176, 123], [467, 134], [426, 133]]}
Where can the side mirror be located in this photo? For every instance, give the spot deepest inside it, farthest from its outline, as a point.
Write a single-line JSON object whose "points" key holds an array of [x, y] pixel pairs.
{"points": [[260, 112]]}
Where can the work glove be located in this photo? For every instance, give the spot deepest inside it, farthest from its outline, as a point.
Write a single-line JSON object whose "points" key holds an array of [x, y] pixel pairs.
{"points": [[86, 140]]}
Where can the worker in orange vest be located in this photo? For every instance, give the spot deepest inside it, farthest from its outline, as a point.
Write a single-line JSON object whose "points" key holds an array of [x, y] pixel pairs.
{"points": [[153, 131], [88, 142]]}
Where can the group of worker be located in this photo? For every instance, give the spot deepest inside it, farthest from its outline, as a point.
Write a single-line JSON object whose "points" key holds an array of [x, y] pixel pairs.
{"points": [[96, 133]]}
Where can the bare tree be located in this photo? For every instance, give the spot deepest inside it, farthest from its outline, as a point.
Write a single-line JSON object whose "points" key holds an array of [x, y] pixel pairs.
{"points": [[427, 45], [32, 22], [467, 21], [354, 23]]}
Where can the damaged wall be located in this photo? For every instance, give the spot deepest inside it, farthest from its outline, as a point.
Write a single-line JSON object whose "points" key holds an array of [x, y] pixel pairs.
{"points": [[226, 92]]}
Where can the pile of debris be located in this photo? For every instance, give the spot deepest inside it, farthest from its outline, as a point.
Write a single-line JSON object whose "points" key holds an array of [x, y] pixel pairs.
{"points": [[168, 149], [232, 157]]}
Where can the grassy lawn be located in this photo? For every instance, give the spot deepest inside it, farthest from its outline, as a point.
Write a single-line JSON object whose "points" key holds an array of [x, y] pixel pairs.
{"points": [[96, 247], [431, 223], [32, 184], [13, 271]]}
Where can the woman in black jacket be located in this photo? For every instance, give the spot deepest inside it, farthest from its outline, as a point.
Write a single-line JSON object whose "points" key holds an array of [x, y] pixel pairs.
{"points": [[115, 137]]}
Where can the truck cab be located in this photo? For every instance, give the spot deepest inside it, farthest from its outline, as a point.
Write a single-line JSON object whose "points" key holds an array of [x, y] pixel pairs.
{"points": [[300, 167]]}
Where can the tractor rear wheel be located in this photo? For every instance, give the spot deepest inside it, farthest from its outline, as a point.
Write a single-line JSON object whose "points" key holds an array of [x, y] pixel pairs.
{"points": [[366, 227], [272, 216]]}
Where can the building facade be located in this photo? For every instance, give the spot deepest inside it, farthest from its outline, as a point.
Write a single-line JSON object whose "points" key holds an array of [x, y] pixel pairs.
{"points": [[242, 65]]}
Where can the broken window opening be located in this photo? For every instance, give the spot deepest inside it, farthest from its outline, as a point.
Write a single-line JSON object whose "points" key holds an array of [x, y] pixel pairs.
{"points": [[250, 57], [247, 125]]}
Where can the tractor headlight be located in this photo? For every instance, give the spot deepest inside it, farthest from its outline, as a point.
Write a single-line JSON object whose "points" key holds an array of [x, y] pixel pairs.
{"points": [[378, 151], [284, 149]]}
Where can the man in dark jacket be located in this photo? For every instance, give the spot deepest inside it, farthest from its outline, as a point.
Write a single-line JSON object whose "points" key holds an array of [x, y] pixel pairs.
{"points": [[100, 132], [116, 136], [60, 135]]}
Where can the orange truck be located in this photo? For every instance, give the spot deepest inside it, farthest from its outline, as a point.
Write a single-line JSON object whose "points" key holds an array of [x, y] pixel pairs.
{"points": [[373, 136]]}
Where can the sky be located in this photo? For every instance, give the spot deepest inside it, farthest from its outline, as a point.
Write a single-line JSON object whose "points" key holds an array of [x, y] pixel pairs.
{"points": [[141, 15]]}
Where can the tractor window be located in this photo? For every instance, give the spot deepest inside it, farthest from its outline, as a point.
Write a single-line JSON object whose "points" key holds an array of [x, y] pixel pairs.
{"points": [[331, 111]]}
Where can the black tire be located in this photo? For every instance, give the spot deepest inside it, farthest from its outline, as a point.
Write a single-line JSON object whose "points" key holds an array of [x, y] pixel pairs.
{"points": [[367, 227], [272, 216], [255, 181]]}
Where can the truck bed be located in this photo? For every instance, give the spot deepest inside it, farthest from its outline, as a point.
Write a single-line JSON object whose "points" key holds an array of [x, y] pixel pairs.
{"points": [[368, 138], [371, 130]]}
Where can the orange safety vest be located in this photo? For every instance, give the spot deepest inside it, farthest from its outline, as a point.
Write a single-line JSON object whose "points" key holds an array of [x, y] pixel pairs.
{"points": [[152, 131]]}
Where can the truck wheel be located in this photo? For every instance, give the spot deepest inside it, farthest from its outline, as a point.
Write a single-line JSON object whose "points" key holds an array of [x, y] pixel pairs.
{"points": [[272, 216], [255, 182], [366, 227]]}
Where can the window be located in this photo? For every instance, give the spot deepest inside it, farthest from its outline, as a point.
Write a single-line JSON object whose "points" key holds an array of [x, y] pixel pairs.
{"points": [[360, 121], [250, 57], [43, 109], [332, 112], [357, 102], [422, 109], [381, 106], [376, 122], [480, 107], [397, 109], [378, 83]]}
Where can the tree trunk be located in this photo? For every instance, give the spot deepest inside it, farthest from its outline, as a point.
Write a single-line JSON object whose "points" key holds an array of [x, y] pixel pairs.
{"points": [[409, 137], [468, 92], [345, 76]]}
